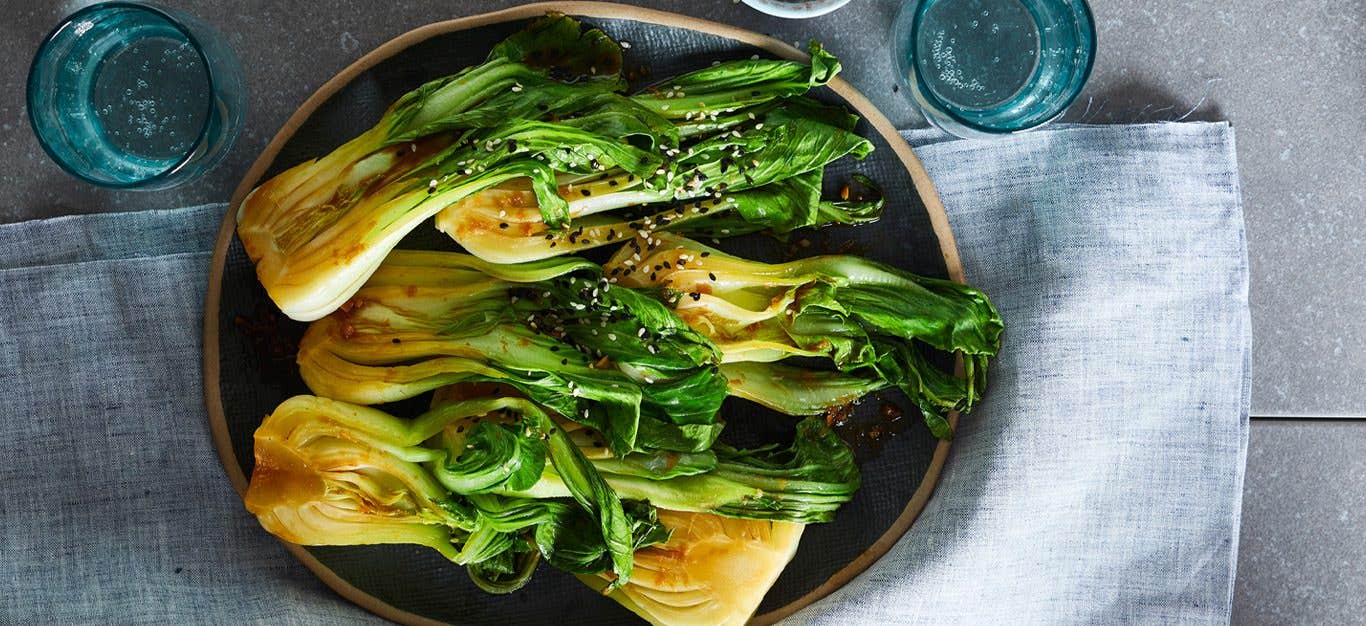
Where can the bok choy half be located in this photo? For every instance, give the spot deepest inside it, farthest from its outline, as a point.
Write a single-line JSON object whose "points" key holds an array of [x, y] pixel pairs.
{"points": [[872, 322], [496, 484], [555, 330]]}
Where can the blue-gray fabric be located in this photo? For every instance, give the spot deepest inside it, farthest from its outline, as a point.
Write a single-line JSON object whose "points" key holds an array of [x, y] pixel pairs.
{"points": [[1099, 482]]}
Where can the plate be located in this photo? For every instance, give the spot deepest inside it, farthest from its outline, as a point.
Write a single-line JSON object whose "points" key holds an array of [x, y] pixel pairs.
{"points": [[248, 368]]}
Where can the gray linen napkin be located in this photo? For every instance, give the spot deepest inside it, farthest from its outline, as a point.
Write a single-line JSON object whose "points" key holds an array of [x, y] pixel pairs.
{"points": [[1100, 481]]}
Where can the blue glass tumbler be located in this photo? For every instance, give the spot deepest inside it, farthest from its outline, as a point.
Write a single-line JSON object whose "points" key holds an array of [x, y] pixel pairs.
{"points": [[135, 96], [983, 68]]}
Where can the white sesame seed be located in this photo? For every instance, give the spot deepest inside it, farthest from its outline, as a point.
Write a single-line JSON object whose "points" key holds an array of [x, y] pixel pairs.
{"points": [[759, 126], [754, 57], [664, 108], [516, 87], [641, 332], [626, 45], [716, 63], [611, 336], [412, 147], [751, 115], [502, 213]]}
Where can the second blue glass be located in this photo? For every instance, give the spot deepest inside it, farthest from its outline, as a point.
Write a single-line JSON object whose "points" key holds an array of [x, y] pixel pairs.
{"points": [[990, 67]]}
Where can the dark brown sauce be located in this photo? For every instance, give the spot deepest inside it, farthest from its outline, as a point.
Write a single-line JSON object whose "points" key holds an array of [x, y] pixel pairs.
{"points": [[867, 436], [270, 340]]}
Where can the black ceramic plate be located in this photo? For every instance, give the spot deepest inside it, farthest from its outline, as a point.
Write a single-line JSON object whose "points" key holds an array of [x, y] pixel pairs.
{"points": [[249, 367]]}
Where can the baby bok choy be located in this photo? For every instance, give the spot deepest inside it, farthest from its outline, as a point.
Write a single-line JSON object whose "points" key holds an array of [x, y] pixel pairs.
{"points": [[764, 174], [497, 484], [869, 320], [331, 473], [555, 330], [318, 229]]}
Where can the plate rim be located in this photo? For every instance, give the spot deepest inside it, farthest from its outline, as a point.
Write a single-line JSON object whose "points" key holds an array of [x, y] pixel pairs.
{"points": [[213, 399]]}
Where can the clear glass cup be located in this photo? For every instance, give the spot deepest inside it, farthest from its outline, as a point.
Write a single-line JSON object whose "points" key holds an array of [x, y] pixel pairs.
{"points": [[135, 96], [985, 68]]}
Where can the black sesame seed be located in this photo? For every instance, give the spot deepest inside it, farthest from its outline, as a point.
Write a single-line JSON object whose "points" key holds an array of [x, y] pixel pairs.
{"points": [[695, 296], [585, 192], [552, 244], [396, 340], [557, 348], [711, 275], [706, 254], [612, 183], [564, 361], [503, 225], [666, 265], [652, 275], [549, 236]]}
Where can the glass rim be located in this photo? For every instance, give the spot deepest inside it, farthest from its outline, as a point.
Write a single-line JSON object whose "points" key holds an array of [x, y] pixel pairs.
{"points": [[923, 87], [33, 74]]}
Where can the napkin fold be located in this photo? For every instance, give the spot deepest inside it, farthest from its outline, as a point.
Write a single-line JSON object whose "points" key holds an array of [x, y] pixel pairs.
{"points": [[1099, 481]]}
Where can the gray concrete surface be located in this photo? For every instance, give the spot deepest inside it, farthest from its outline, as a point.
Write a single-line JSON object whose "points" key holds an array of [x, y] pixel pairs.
{"points": [[1301, 558], [1290, 77]]}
